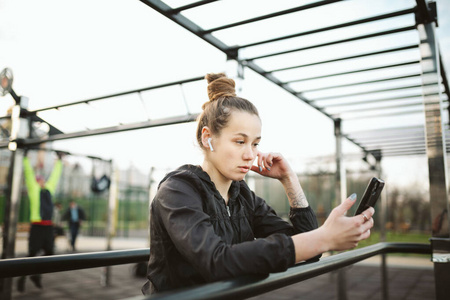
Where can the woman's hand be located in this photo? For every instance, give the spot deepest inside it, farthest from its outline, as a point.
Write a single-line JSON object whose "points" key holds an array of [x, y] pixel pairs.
{"points": [[344, 232], [339, 232], [273, 165]]}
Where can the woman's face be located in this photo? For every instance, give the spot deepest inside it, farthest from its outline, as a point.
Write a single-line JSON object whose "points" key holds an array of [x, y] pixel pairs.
{"points": [[235, 148]]}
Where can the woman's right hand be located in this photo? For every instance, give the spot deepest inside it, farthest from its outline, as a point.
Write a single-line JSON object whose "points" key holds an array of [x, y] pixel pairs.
{"points": [[343, 232]]}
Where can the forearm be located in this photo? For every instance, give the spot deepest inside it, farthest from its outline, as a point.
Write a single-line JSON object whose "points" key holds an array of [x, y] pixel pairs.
{"points": [[294, 192], [309, 244]]}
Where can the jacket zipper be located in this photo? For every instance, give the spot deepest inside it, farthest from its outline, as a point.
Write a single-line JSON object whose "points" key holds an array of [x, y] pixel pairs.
{"points": [[228, 210]]}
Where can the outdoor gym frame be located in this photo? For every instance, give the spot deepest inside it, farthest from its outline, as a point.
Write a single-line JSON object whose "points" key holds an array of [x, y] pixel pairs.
{"points": [[430, 139]]}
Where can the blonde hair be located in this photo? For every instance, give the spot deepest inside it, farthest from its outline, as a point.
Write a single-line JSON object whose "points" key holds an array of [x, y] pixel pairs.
{"points": [[222, 101]]}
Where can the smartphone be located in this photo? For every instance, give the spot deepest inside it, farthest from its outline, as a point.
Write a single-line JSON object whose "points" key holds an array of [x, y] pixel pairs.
{"points": [[371, 195]]}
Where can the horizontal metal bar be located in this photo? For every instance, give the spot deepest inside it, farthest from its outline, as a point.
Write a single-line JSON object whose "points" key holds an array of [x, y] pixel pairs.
{"points": [[383, 131], [69, 153], [13, 267], [120, 94], [410, 112], [248, 286], [360, 83], [377, 100], [380, 140], [415, 46], [189, 6], [323, 29], [420, 146], [374, 91], [113, 129], [272, 15], [376, 108], [356, 71], [403, 153], [357, 38]]}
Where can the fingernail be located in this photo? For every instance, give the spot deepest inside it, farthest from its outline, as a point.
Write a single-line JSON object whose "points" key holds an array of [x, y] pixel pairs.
{"points": [[268, 169], [260, 168], [353, 197], [270, 165]]}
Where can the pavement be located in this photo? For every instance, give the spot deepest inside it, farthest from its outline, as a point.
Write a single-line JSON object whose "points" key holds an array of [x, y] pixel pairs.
{"points": [[409, 278]]}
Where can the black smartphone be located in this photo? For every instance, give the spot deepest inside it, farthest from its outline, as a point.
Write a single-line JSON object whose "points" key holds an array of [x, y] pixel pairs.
{"points": [[371, 195]]}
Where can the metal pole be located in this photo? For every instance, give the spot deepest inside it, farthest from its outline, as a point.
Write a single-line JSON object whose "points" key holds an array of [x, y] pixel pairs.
{"points": [[111, 226], [19, 129], [436, 152], [382, 220], [341, 192]]}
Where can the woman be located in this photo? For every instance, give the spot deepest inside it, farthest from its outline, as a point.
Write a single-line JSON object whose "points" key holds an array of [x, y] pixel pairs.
{"points": [[207, 225]]}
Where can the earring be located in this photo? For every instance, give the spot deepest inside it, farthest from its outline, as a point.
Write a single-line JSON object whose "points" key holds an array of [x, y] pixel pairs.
{"points": [[210, 146]]}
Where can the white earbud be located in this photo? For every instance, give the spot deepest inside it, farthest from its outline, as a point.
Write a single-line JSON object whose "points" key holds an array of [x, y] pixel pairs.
{"points": [[210, 146]]}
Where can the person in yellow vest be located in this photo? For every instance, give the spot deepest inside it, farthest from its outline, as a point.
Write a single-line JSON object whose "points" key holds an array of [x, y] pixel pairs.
{"points": [[40, 194]]}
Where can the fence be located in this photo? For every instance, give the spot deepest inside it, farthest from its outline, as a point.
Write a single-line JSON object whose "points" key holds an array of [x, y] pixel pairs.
{"points": [[237, 288]]}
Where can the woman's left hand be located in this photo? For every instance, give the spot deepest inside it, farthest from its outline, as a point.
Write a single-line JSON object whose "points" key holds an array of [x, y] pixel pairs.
{"points": [[272, 165]]}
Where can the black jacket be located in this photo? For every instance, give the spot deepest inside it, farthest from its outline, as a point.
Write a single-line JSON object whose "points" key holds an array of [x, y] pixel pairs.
{"points": [[195, 238], [67, 216]]}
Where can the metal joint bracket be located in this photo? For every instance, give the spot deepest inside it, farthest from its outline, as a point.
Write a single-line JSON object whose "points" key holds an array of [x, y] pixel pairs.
{"points": [[426, 12]]}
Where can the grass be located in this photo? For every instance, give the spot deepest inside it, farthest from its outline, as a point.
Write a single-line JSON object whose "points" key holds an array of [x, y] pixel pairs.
{"points": [[412, 237]]}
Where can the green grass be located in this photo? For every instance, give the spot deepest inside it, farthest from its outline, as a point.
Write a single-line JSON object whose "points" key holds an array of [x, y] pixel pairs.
{"points": [[397, 237]]}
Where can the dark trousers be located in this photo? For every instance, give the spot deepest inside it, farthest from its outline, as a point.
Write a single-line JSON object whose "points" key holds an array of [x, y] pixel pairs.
{"points": [[40, 238], [74, 229]]}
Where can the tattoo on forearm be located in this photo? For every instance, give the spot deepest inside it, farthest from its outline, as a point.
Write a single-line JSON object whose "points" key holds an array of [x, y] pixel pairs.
{"points": [[297, 198]]}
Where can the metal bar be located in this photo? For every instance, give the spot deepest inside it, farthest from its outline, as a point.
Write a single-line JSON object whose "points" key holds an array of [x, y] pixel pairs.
{"points": [[69, 262], [421, 153], [273, 79], [19, 129], [400, 147], [398, 141], [383, 131], [113, 129], [184, 22], [357, 38], [249, 286], [377, 108], [237, 288], [387, 136], [436, 148], [338, 26], [411, 112], [356, 71], [119, 94], [373, 91], [191, 5], [361, 83], [415, 46], [340, 187], [373, 101], [272, 15]]}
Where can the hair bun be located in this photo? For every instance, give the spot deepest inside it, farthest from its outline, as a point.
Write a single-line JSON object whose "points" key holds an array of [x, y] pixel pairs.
{"points": [[219, 85]]}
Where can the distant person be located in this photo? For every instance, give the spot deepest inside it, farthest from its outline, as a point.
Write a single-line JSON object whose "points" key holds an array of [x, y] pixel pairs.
{"points": [[207, 225], [40, 194], [75, 216]]}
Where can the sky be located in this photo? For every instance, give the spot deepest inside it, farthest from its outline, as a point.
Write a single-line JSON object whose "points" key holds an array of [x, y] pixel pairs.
{"points": [[66, 51]]}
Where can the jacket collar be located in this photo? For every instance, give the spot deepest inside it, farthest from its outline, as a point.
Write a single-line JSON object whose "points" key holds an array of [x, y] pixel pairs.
{"points": [[198, 171]]}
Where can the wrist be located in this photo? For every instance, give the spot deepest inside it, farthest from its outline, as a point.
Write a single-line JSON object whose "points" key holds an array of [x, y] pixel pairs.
{"points": [[323, 242], [289, 180]]}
